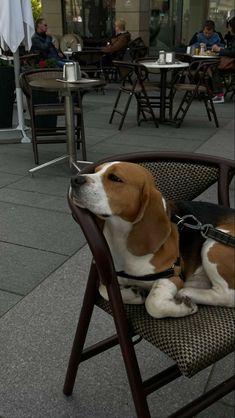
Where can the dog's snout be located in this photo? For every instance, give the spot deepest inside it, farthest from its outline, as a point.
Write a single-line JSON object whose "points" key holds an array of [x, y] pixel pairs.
{"points": [[76, 181]]}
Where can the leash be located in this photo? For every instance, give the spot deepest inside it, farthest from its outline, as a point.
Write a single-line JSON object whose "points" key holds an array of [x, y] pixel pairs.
{"points": [[206, 230]]}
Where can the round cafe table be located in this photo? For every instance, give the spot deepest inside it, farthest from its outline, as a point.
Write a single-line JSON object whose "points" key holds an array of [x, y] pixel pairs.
{"points": [[154, 66], [66, 89]]}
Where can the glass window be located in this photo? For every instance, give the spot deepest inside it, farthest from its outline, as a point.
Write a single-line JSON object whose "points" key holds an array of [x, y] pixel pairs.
{"points": [[196, 13], [92, 19], [165, 16]]}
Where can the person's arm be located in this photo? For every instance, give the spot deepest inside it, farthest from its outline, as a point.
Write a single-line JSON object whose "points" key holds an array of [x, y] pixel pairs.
{"points": [[118, 43], [218, 41]]}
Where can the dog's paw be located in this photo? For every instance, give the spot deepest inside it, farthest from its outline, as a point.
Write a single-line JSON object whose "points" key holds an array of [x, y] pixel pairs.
{"points": [[130, 294], [181, 298]]}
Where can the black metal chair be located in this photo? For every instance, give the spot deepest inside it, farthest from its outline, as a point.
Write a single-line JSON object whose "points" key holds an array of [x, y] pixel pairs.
{"points": [[193, 342], [44, 108], [198, 87], [134, 82]]}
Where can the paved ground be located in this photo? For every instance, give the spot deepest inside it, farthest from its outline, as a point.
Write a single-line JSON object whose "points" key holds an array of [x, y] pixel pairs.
{"points": [[44, 261]]}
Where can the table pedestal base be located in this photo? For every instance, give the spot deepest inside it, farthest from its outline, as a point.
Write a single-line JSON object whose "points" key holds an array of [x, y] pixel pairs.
{"points": [[57, 160]]}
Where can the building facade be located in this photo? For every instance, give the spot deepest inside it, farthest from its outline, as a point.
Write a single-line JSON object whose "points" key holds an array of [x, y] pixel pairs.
{"points": [[161, 24]]}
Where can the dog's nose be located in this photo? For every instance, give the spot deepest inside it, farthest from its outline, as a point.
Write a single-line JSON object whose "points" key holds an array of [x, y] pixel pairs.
{"points": [[76, 181]]}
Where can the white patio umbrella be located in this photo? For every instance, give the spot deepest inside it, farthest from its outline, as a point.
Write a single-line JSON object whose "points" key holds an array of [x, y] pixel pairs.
{"points": [[16, 26]]}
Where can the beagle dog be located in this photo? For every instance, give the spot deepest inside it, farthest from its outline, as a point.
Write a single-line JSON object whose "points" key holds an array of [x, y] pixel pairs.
{"points": [[170, 271]]}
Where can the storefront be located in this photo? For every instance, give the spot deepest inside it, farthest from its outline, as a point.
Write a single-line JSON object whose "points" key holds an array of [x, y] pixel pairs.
{"points": [[161, 24]]}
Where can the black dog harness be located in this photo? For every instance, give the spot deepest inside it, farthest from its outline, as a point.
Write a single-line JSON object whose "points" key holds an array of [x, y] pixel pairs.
{"points": [[154, 276]]}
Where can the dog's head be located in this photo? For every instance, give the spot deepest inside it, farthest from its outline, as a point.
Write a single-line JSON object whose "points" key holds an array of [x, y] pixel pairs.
{"points": [[127, 191], [116, 188]]}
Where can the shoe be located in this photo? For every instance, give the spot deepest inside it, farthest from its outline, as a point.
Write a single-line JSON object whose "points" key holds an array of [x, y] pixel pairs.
{"points": [[219, 98]]}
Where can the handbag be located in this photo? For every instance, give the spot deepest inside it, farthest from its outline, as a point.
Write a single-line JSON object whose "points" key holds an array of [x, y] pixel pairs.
{"points": [[227, 63]]}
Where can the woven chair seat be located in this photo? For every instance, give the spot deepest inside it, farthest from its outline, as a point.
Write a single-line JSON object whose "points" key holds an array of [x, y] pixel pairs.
{"points": [[194, 342], [138, 88], [189, 87], [53, 109]]}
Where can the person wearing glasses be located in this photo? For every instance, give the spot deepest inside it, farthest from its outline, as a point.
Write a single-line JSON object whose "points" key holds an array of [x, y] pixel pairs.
{"points": [[42, 42]]}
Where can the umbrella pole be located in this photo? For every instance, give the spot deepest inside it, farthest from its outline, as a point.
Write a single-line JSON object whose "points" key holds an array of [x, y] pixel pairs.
{"points": [[19, 99]]}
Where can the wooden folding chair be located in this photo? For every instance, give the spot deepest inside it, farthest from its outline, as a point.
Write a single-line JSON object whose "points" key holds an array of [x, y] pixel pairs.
{"points": [[134, 82], [197, 88]]}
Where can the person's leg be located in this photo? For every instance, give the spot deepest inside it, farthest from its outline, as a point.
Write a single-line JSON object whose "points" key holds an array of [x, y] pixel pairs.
{"points": [[217, 86]]}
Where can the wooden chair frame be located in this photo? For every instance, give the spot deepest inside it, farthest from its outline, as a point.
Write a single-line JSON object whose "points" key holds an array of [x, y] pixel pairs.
{"points": [[198, 87], [102, 268], [42, 135], [134, 82]]}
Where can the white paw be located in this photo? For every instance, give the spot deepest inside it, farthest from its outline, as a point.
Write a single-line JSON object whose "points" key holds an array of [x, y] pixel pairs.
{"points": [[130, 294], [182, 298]]}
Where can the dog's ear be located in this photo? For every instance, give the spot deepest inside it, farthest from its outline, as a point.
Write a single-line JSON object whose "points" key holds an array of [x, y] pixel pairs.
{"points": [[144, 199], [152, 226]]}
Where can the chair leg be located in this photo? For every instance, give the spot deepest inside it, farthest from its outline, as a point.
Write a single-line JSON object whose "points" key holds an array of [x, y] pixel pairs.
{"points": [[81, 332], [187, 100], [211, 109], [128, 353], [116, 110], [115, 106], [34, 141], [81, 135]]}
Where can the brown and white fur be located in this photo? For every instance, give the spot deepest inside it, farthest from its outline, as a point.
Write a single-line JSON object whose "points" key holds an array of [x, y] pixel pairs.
{"points": [[143, 240]]}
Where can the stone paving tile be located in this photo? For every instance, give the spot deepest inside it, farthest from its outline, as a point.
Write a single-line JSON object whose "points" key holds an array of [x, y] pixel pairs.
{"points": [[39, 229], [7, 301], [23, 268]]}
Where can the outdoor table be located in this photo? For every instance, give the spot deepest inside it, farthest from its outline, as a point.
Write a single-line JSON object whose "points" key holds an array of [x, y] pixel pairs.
{"points": [[68, 54], [66, 89], [206, 57], [152, 67]]}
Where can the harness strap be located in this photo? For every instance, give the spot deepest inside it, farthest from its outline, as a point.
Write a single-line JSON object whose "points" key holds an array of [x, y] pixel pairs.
{"points": [[172, 271]]}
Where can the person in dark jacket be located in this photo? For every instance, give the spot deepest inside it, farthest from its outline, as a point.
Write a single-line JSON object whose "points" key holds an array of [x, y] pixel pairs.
{"points": [[230, 50], [118, 44], [42, 43], [223, 52]]}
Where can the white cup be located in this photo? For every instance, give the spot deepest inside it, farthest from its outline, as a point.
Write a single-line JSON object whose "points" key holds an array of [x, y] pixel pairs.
{"points": [[79, 47]]}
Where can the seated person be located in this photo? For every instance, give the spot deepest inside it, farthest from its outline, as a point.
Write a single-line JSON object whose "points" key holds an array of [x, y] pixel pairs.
{"points": [[42, 42], [208, 36], [217, 85], [118, 44], [230, 50]]}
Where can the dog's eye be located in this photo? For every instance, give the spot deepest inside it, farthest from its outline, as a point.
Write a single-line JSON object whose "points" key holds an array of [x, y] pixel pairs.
{"points": [[113, 177]]}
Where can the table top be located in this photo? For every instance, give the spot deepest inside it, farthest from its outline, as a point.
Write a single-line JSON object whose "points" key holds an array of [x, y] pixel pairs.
{"points": [[52, 84], [155, 64], [68, 52], [206, 56]]}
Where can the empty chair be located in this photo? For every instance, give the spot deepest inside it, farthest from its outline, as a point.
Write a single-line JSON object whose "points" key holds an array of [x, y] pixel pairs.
{"points": [[70, 40], [134, 82], [44, 109], [193, 342], [197, 88]]}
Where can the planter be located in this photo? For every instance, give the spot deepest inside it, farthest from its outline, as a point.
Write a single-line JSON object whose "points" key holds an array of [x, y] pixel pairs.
{"points": [[7, 96]]}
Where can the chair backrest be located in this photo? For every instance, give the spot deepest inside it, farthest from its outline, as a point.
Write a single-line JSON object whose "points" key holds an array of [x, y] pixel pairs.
{"points": [[30, 75], [183, 176], [70, 40], [137, 49]]}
